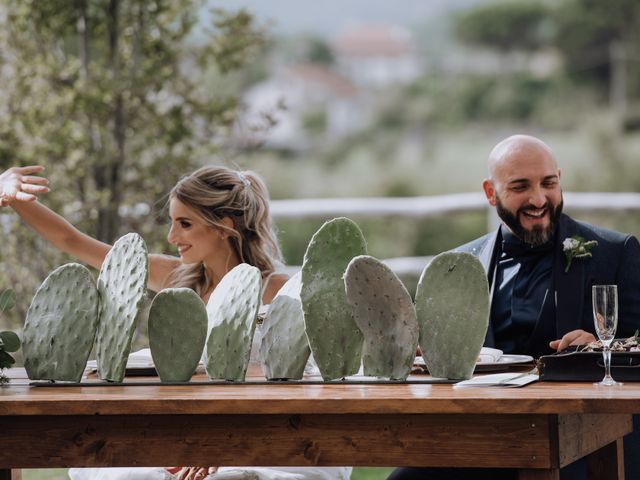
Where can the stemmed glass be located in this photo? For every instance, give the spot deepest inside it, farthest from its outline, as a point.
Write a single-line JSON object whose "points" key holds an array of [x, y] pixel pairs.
{"points": [[605, 319]]}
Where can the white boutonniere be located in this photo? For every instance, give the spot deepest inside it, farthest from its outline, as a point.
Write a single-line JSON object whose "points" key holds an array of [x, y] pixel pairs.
{"points": [[576, 247]]}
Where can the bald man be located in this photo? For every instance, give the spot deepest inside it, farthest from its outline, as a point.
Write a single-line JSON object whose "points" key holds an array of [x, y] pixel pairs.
{"points": [[539, 303]]}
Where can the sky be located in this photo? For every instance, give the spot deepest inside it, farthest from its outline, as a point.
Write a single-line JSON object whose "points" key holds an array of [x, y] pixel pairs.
{"points": [[328, 17]]}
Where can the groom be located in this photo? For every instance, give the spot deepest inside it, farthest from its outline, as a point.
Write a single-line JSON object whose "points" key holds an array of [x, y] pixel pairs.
{"points": [[540, 302]]}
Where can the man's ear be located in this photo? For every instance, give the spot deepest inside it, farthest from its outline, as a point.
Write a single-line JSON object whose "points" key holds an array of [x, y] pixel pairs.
{"points": [[489, 191]]}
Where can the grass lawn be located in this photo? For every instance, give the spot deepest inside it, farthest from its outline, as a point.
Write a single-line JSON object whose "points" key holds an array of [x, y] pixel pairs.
{"points": [[370, 473], [45, 474]]}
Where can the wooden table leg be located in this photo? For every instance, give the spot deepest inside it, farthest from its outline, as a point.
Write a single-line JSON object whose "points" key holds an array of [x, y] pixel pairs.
{"points": [[538, 474], [607, 463]]}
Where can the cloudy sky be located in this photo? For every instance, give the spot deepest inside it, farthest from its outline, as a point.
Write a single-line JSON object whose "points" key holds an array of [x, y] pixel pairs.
{"points": [[327, 17]]}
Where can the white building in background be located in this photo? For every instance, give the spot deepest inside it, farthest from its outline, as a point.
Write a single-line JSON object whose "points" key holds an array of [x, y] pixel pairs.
{"points": [[278, 108], [377, 55]]}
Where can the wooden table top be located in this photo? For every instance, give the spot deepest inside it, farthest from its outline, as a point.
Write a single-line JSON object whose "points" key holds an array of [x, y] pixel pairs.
{"points": [[19, 398]]}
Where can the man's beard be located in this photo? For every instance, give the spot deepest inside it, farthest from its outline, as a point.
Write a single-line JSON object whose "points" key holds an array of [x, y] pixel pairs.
{"points": [[539, 234]]}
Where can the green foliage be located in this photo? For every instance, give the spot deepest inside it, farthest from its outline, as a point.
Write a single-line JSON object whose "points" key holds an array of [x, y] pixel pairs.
{"points": [[506, 25], [9, 341], [7, 300], [585, 33]]}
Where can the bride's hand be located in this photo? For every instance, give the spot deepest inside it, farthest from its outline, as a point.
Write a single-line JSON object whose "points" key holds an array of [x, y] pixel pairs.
{"points": [[20, 183], [191, 473]]}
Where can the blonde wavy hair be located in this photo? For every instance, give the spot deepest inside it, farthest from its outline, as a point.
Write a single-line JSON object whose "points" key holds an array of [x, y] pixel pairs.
{"points": [[217, 192]]}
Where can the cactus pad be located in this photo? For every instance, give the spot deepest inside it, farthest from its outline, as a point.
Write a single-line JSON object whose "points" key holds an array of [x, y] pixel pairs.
{"points": [[334, 338], [452, 303], [122, 285], [61, 325], [284, 348], [232, 310], [177, 332], [384, 312]]}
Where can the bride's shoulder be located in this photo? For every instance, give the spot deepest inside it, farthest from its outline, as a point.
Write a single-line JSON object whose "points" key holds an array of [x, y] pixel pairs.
{"points": [[273, 283]]}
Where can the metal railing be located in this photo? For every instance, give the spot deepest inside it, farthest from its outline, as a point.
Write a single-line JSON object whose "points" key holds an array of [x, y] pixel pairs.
{"points": [[433, 207]]}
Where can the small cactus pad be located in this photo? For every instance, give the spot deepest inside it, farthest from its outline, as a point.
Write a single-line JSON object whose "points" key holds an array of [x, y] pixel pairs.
{"points": [[177, 332], [452, 303], [384, 312], [122, 285], [61, 325], [334, 337], [284, 348], [232, 310]]}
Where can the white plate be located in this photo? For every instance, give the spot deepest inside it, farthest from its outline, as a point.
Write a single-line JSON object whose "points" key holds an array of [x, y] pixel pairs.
{"points": [[505, 362]]}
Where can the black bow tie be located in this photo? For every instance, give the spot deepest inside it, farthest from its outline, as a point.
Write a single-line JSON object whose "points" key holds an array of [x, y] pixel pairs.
{"points": [[521, 249]]}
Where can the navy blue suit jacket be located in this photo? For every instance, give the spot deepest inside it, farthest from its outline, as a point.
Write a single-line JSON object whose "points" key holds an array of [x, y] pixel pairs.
{"points": [[615, 260]]}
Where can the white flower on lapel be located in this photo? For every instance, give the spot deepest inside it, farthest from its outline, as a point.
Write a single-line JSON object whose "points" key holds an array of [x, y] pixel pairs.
{"points": [[576, 247]]}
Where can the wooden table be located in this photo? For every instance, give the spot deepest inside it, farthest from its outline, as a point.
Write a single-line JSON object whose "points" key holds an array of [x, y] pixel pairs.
{"points": [[537, 429]]}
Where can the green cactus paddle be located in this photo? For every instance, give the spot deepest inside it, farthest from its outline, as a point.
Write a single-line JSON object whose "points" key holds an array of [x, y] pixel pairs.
{"points": [[334, 338], [177, 332], [232, 310], [452, 303], [61, 325], [384, 312], [122, 285], [284, 348]]}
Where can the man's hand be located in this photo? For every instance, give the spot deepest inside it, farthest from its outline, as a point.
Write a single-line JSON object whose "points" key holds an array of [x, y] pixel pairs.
{"points": [[19, 183], [575, 337]]}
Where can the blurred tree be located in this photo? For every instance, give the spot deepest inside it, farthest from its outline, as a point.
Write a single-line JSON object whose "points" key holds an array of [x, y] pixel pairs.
{"points": [[111, 96], [506, 26], [320, 52], [110, 92], [587, 32]]}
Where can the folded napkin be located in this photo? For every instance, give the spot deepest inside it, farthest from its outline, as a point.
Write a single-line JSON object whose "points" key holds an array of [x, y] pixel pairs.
{"points": [[511, 379], [489, 355]]}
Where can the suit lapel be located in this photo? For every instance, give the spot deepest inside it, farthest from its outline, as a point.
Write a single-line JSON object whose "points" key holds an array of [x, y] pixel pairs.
{"points": [[487, 258], [569, 287]]}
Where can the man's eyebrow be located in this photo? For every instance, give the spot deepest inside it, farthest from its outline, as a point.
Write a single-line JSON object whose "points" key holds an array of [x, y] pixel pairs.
{"points": [[519, 180], [526, 180]]}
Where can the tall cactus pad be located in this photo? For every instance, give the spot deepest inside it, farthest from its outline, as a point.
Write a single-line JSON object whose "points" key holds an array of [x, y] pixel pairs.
{"points": [[452, 303], [122, 285], [232, 310], [384, 312], [284, 348], [334, 337], [177, 332], [61, 325]]}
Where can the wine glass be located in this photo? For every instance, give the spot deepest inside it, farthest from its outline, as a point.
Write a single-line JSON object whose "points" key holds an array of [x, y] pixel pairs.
{"points": [[605, 319]]}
